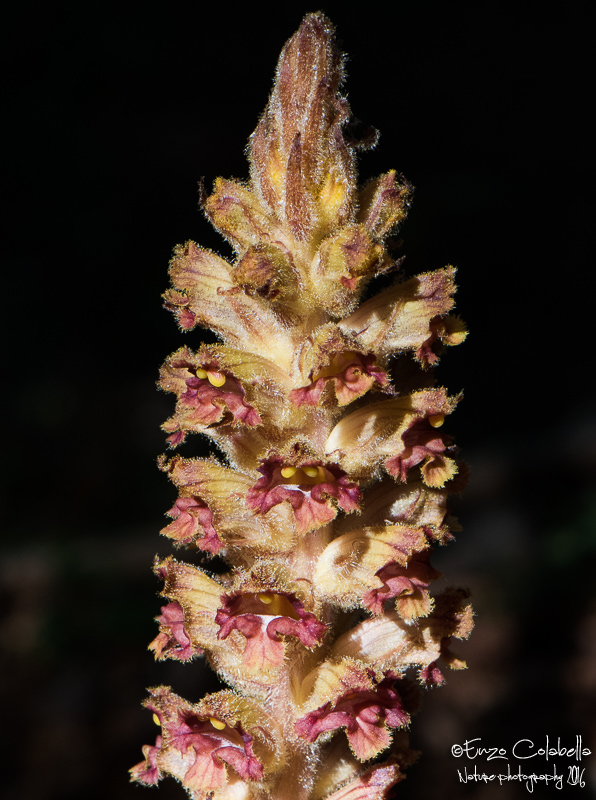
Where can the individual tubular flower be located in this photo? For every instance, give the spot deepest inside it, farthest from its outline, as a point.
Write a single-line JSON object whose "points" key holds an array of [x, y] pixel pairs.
{"points": [[346, 695], [332, 360], [211, 511], [206, 746], [266, 270], [195, 598], [206, 294], [388, 642], [422, 445], [244, 623], [218, 386], [330, 485], [344, 260], [351, 374], [262, 618], [410, 316], [310, 487], [206, 394], [173, 640], [193, 516], [408, 584], [372, 565], [399, 432]]}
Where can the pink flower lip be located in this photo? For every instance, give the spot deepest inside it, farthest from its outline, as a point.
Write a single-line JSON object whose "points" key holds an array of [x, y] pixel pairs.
{"points": [[173, 640], [351, 373], [262, 618], [211, 390], [192, 516], [147, 771], [207, 395], [214, 743], [421, 442], [345, 363], [365, 714], [309, 488], [399, 581]]}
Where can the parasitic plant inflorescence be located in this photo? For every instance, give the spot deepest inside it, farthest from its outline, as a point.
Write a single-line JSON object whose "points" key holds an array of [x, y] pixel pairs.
{"points": [[331, 489]]}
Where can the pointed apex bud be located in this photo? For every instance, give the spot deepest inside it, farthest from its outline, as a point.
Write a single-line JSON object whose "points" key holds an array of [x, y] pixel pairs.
{"points": [[300, 163]]}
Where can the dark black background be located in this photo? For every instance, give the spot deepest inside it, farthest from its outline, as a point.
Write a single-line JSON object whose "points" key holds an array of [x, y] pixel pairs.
{"points": [[113, 112]]}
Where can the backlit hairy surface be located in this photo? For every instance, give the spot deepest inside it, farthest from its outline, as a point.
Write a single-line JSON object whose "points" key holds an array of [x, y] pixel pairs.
{"points": [[336, 467]]}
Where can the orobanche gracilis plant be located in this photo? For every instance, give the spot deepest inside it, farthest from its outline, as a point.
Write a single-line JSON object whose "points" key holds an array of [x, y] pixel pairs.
{"points": [[331, 490]]}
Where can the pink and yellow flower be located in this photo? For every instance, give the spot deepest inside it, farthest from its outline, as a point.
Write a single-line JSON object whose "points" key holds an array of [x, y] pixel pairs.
{"points": [[367, 708], [314, 489], [205, 746], [263, 619]]}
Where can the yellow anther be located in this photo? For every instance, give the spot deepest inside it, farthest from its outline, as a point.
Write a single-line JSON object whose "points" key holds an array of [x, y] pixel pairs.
{"points": [[217, 724], [436, 420], [288, 472], [202, 374], [266, 597], [312, 472], [216, 379], [156, 719]]}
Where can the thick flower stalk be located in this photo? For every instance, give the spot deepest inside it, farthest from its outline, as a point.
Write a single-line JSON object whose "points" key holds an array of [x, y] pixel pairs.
{"points": [[330, 491]]}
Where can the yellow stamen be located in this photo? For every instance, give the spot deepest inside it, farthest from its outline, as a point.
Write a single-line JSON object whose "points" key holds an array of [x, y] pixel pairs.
{"points": [[156, 719], [288, 472], [216, 379], [436, 420], [217, 724], [278, 605], [202, 374], [312, 472]]}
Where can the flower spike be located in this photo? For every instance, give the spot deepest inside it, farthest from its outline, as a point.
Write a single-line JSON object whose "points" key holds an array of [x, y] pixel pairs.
{"points": [[330, 491]]}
